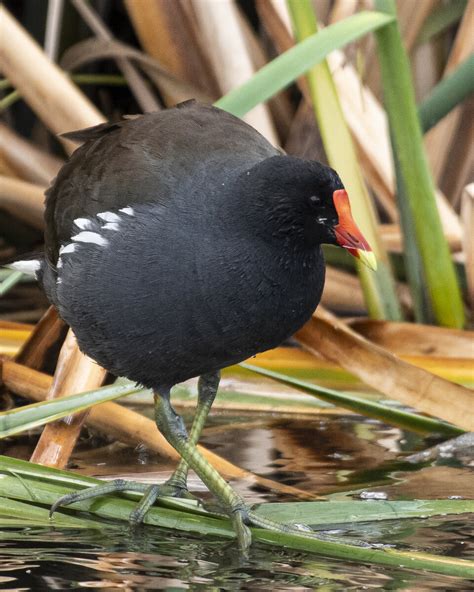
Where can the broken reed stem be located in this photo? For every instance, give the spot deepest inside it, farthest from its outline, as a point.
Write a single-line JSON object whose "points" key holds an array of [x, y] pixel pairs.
{"points": [[28, 162], [44, 336], [467, 216], [22, 199], [411, 339], [45, 87], [219, 29], [326, 336], [75, 373]]}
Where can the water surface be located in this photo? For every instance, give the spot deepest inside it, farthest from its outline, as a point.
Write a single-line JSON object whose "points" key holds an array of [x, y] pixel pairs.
{"points": [[344, 457]]}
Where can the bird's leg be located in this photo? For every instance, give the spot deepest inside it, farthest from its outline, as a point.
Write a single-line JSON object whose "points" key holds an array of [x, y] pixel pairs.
{"points": [[172, 427], [176, 485], [207, 390]]}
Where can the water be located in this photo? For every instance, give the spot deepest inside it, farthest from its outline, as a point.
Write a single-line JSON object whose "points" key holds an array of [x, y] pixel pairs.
{"points": [[339, 456], [110, 560]]}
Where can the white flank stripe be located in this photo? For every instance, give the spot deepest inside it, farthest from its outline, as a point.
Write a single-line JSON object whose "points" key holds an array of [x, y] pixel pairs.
{"points": [[69, 248], [108, 217], [30, 267], [129, 211], [111, 226], [82, 223], [90, 237]]}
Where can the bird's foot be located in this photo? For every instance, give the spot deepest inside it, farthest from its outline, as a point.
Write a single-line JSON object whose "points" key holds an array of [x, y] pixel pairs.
{"points": [[177, 487], [150, 494], [243, 517], [240, 519], [168, 489]]}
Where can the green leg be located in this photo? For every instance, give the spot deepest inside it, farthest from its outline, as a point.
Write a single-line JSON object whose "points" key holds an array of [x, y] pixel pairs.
{"points": [[207, 390], [177, 483], [175, 486], [172, 427]]}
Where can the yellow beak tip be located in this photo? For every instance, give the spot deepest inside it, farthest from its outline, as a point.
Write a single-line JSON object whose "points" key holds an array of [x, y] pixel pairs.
{"points": [[368, 258]]}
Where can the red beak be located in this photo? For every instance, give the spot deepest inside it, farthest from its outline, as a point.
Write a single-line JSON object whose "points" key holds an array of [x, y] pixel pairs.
{"points": [[348, 234]]}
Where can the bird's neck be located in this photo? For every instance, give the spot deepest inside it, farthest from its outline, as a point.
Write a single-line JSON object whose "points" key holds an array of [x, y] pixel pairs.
{"points": [[270, 218]]}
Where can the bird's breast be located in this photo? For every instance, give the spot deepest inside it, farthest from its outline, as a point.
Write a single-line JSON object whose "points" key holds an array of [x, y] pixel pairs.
{"points": [[259, 298], [177, 301]]}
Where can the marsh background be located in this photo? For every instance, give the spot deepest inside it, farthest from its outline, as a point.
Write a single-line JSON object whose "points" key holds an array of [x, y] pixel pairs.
{"points": [[392, 110]]}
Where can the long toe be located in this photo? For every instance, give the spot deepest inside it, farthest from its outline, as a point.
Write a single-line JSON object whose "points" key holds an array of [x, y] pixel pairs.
{"points": [[138, 514], [65, 500], [254, 519], [150, 496], [117, 485], [244, 536]]}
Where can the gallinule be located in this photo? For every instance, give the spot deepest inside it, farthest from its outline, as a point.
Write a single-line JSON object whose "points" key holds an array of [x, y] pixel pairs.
{"points": [[179, 243]]}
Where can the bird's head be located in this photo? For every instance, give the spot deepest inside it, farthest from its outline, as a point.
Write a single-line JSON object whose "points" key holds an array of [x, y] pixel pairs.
{"points": [[307, 199], [334, 224]]}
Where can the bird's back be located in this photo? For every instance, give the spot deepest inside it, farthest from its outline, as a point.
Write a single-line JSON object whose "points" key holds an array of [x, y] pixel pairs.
{"points": [[145, 160]]}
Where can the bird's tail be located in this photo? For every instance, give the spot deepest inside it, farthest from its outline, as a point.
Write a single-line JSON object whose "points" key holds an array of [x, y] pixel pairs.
{"points": [[30, 265]]}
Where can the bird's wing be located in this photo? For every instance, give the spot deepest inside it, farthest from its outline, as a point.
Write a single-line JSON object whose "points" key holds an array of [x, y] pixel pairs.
{"points": [[146, 159]]}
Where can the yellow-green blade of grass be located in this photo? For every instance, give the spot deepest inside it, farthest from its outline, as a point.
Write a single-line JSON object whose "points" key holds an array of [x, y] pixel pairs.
{"points": [[283, 70], [414, 269], [9, 100], [379, 287], [10, 281], [15, 514], [418, 197], [442, 17], [348, 512], [41, 486], [397, 417], [37, 414], [447, 94]]}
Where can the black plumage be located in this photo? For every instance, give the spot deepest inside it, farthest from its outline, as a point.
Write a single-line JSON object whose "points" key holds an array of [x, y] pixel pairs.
{"points": [[219, 260], [179, 243]]}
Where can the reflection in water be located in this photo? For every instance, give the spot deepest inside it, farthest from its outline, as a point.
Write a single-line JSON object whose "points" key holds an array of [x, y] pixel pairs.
{"points": [[157, 560], [340, 456]]}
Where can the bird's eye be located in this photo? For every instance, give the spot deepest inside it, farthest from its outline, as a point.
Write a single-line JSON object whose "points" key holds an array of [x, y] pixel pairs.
{"points": [[314, 200]]}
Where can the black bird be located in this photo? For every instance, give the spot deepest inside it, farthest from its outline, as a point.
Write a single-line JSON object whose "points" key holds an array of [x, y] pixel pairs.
{"points": [[178, 243]]}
